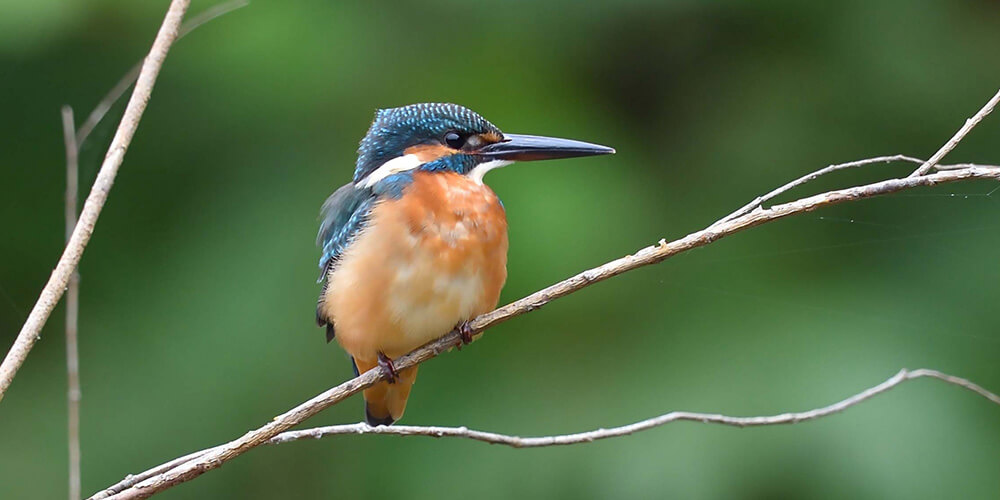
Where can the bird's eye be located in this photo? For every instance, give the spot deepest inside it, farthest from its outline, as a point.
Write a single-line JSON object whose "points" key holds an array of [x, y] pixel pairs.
{"points": [[454, 140]]}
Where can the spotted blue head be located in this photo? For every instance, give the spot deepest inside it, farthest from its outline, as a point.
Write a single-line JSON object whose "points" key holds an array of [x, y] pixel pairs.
{"points": [[438, 137]]}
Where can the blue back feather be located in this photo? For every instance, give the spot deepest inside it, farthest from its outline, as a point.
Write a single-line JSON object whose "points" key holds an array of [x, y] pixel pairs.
{"points": [[344, 214]]}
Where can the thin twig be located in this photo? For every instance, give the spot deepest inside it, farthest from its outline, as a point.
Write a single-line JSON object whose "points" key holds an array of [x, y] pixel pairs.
{"points": [[129, 78], [958, 166], [647, 256], [131, 479], [925, 166], [955, 139], [73, 393], [73, 140], [60, 277], [104, 105], [809, 177], [580, 437], [597, 434], [210, 14]]}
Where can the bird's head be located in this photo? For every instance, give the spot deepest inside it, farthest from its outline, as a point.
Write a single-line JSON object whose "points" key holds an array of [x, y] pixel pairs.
{"points": [[440, 137]]}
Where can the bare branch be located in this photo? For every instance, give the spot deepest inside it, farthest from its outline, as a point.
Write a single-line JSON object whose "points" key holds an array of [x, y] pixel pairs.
{"points": [[131, 479], [959, 166], [129, 78], [72, 311], [745, 209], [210, 14], [580, 437], [73, 140], [644, 257], [217, 456], [597, 434], [60, 277], [104, 105], [955, 139]]}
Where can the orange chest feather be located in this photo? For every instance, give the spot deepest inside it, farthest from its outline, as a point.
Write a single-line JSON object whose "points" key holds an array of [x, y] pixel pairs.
{"points": [[460, 220], [427, 261]]}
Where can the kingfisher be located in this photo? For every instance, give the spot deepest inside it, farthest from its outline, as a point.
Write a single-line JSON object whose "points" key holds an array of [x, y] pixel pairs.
{"points": [[416, 244]]}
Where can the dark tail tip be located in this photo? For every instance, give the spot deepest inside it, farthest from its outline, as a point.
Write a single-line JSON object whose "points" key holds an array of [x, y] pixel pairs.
{"points": [[376, 421]]}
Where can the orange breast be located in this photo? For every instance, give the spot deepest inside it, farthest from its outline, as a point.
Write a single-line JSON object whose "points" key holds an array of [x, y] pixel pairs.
{"points": [[426, 261]]}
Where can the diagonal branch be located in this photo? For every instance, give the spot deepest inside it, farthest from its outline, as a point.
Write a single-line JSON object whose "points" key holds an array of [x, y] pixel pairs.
{"points": [[580, 437], [957, 138], [215, 457], [745, 209], [186, 468], [129, 78], [60, 277]]}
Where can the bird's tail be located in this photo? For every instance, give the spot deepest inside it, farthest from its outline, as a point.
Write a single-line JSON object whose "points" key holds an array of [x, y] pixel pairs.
{"points": [[385, 402]]}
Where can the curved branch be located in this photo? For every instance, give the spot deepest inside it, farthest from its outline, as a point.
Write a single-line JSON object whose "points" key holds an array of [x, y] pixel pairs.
{"points": [[56, 285], [624, 430], [580, 437]]}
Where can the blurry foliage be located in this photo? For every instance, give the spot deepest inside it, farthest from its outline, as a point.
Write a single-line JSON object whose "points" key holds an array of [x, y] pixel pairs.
{"points": [[198, 286]]}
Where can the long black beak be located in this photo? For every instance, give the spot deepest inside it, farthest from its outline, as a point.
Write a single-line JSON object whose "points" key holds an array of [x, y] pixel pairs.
{"points": [[516, 147]]}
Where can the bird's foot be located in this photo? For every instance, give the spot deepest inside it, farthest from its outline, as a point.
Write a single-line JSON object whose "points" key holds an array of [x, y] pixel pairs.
{"points": [[386, 364], [465, 332]]}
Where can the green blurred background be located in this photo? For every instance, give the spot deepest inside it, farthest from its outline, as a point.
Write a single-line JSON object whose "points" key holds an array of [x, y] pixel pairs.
{"points": [[199, 284]]}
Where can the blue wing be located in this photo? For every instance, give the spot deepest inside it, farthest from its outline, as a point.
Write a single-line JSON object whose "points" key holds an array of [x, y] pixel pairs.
{"points": [[345, 213]]}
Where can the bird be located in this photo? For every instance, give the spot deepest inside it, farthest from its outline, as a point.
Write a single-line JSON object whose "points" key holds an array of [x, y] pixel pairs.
{"points": [[415, 244]]}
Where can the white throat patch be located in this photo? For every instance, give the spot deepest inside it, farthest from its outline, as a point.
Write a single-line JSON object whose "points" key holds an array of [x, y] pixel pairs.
{"points": [[410, 162], [393, 166], [479, 171]]}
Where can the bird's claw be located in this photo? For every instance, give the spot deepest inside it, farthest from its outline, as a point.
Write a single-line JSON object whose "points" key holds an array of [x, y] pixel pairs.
{"points": [[386, 364], [465, 333]]}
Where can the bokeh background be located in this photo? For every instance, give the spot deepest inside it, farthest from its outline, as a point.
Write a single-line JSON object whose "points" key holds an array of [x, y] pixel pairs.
{"points": [[199, 284]]}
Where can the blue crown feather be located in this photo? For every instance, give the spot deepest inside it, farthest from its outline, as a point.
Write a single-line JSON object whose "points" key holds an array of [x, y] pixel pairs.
{"points": [[396, 129]]}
